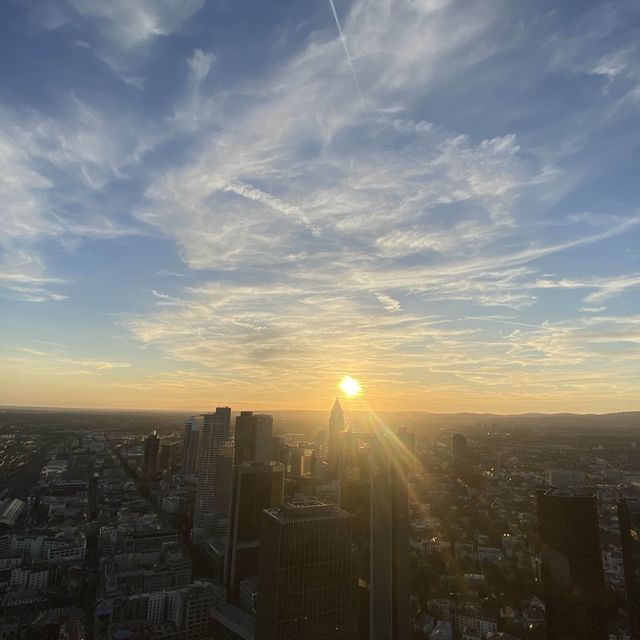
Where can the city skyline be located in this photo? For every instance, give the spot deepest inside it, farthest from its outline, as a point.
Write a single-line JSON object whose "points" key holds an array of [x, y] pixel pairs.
{"points": [[250, 201]]}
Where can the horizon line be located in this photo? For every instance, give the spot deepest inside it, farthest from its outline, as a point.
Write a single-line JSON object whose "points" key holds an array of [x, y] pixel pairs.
{"points": [[4, 408]]}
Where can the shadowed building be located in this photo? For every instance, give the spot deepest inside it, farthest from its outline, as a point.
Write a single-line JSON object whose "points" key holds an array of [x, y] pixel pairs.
{"points": [[307, 586], [374, 488], [629, 519], [336, 426], [214, 477], [150, 459], [190, 440], [245, 438], [256, 486], [390, 614], [572, 575], [264, 433]]}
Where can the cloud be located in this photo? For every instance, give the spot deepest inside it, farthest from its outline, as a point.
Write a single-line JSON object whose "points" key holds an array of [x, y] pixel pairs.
{"points": [[605, 288], [311, 216], [51, 171], [425, 247], [56, 361], [389, 303], [130, 24]]}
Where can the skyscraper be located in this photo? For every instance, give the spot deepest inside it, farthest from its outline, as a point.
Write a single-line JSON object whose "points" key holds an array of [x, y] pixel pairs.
{"points": [[150, 458], [336, 426], [373, 487], [214, 476], [390, 615], [307, 585], [264, 433], [245, 438], [190, 440], [572, 575], [629, 521], [256, 486]]}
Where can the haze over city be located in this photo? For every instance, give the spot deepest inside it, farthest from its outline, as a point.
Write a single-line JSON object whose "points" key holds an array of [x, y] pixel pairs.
{"points": [[246, 201]]}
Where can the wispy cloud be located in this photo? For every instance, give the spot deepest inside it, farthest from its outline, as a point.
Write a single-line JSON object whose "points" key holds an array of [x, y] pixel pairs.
{"points": [[440, 245]]}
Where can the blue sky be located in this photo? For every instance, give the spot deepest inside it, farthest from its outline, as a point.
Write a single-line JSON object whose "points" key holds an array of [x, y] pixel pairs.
{"points": [[223, 202]]}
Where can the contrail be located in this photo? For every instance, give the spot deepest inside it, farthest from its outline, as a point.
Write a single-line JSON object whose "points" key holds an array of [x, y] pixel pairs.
{"points": [[346, 51]]}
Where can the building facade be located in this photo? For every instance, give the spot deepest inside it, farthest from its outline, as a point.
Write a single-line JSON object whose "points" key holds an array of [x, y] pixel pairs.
{"points": [[629, 521], [572, 574], [150, 460], [214, 477], [336, 427], [190, 441], [307, 582], [256, 486]]}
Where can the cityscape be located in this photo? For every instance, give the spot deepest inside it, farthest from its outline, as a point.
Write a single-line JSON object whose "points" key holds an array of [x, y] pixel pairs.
{"points": [[224, 526], [319, 320]]}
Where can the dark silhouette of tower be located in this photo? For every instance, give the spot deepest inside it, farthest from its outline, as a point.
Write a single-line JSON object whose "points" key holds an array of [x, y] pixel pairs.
{"points": [[256, 486], [264, 433], [572, 574], [150, 459], [629, 522], [336, 426], [190, 441], [307, 585], [215, 458], [374, 488], [390, 615], [245, 437]]}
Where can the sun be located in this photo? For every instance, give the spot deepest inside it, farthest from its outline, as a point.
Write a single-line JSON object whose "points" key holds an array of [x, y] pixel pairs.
{"points": [[350, 386]]}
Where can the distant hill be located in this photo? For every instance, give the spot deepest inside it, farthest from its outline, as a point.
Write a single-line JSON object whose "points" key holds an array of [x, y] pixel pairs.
{"points": [[424, 424]]}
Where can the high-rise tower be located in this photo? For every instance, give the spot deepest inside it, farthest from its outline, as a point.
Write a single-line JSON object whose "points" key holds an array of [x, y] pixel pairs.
{"points": [[264, 434], [256, 486], [336, 426], [389, 615], [190, 440], [245, 438], [374, 488], [629, 521], [307, 585], [150, 460], [572, 575], [214, 476]]}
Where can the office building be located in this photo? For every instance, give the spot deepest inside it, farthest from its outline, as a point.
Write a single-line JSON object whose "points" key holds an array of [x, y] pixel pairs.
{"points": [[374, 488], [572, 574], [256, 486], [264, 434], [150, 458], [629, 521], [245, 438], [307, 585], [190, 441], [336, 426], [301, 461], [214, 477], [390, 615]]}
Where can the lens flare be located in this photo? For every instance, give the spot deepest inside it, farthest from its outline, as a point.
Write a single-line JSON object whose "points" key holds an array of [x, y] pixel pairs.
{"points": [[350, 386]]}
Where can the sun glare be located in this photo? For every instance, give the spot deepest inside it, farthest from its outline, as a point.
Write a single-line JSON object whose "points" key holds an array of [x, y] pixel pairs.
{"points": [[350, 386]]}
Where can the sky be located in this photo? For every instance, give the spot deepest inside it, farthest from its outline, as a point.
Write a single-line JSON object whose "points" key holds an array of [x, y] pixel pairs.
{"points": [[239, 202]]}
